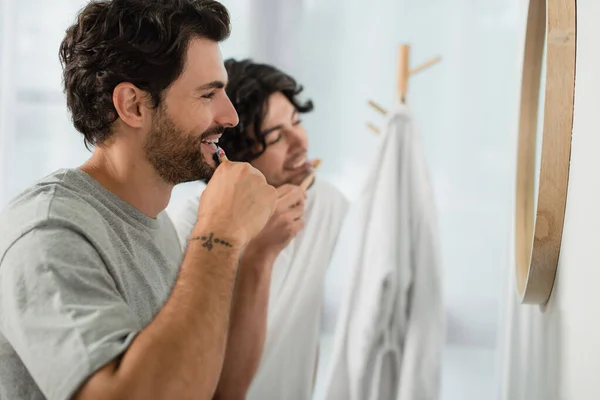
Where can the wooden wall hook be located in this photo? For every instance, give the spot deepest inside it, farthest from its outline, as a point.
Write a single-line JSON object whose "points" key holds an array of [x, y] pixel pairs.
{"points": [[377, 107], [425, 65], [373, 128]]}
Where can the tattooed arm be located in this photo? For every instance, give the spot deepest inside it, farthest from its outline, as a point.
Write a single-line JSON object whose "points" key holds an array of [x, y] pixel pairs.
{"points": [[247, 327], [179, 355], [247, 330]]}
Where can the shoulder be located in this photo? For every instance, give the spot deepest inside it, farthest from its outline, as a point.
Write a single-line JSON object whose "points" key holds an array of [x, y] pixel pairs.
{"points": [[183, 211], [56, 202], [327, 204], [185, 198], [325, 191]]}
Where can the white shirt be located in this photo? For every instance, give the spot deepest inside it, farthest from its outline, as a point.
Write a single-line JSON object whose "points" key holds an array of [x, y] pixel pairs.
{"points": [[288, 362]]}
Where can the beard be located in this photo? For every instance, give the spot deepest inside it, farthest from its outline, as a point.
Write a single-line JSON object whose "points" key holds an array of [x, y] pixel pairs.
{"points": [[176, 155]]}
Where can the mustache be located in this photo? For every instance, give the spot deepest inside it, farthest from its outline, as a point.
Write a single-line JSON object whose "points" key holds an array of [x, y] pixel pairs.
{"points": [[215, 130], [297, 157]]}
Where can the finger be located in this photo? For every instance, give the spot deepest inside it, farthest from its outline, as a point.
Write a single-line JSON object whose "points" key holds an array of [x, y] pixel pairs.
{"points": [[292, 228], [298, 204], [290, 211], [294, 213], [295, 209], [307, 181], [294, 197], [284, 190]]}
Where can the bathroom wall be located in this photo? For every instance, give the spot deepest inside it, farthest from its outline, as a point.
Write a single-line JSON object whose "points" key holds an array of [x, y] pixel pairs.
{"points": [[554, 352]]}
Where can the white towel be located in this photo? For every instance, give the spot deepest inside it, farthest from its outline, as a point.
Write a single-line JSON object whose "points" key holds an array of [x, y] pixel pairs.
{"points": [[287, 367], [390, 331]]}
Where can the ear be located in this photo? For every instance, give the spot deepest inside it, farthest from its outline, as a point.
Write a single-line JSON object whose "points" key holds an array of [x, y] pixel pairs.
{"points": [[131, 104]]}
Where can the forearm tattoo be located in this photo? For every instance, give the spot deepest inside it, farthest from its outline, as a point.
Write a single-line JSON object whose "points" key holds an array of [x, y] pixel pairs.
{"points": [[207, 241]]}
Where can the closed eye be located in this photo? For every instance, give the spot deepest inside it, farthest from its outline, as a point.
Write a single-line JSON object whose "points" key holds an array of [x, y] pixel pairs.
{"points": [[277, 139], [209, 95], [298, 122]]}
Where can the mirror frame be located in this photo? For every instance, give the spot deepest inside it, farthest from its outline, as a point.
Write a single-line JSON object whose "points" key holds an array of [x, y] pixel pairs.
{"points": [[538, 235]]}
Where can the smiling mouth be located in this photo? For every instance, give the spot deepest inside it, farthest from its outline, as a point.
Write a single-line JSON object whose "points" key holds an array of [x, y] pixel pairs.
{"points": [[298, 164], [210, 144], [213, 141]]}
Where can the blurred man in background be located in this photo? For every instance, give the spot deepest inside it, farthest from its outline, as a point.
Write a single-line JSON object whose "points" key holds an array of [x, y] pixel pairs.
{"points": [[297, 243]]}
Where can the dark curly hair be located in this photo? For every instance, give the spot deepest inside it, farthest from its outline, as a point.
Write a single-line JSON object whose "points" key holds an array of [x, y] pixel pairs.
{"points": [[249, 88], [143, 42]]}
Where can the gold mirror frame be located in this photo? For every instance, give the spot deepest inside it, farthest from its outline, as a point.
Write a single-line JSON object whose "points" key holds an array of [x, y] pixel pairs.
{"points": [[538, 234]]}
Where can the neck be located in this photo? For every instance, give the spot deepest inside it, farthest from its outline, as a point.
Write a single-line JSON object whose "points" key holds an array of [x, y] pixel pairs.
{"points": [[131, 177]]}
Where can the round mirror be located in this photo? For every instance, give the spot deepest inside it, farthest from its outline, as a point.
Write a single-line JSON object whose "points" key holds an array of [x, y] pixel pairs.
{"points": [[544, 147]]}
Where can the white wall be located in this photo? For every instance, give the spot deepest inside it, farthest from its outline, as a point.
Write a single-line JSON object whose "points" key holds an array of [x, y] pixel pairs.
{"points": [[555, 352], [576, 301]]}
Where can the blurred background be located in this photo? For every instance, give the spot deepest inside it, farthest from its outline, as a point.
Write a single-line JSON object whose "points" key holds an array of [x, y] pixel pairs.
{"points": [[344, 53]]}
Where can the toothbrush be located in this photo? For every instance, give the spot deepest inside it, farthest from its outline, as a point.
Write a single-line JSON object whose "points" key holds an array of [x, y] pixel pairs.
{"points": [[311, 177], [220, 156]]}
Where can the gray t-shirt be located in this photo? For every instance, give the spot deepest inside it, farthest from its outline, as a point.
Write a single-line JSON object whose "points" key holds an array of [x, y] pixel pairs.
{"points": [[81, 272]]}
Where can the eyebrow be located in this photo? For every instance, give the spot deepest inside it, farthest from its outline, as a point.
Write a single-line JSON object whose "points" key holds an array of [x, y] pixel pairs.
{"points": [[211, 85], [277, 127]]}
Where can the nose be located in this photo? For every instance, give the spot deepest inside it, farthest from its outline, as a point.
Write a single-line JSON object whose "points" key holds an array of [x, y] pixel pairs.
{"points": [[298, 139], [227, 116]]}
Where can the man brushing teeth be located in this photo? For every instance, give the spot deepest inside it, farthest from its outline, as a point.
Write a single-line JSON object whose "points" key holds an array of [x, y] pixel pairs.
{"points": [[299, 170], [295, 246], [209, 144]]}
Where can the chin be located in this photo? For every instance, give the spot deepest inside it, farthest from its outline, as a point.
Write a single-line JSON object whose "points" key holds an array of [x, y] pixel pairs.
{"points": [[207, 177], [203, 173], [298, 179]]}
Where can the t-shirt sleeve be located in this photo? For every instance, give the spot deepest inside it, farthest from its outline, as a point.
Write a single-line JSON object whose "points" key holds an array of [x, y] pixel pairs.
{"points": [[61, 310]]}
